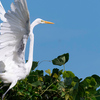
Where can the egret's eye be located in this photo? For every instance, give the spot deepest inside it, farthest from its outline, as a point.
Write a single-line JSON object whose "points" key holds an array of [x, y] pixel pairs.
{"points": [[42, 20]]}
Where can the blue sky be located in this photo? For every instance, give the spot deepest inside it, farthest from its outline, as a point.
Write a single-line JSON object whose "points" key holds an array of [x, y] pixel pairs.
{"points": [[76, 31]]}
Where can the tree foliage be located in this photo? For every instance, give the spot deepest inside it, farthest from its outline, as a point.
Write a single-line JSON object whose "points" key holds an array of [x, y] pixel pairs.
{"points": [[55, 85]]}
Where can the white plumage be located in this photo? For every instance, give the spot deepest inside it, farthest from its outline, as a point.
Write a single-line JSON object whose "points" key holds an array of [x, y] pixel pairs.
{"points": [[15, 31], [2, 13]]}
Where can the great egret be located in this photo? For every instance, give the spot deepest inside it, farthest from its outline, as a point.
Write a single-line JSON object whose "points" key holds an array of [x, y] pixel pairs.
{"points": [[15, 31]]}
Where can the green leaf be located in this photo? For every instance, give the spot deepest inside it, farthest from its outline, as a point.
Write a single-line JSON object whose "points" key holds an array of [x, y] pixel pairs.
{"points": [[55, 98], [76, 79], [55, 75], [76, 86], [89, 82], [47, 79], [92, 91], [62, 94], [82, 98], [93, 98], [54, 87], [68, 81], [55, 70], [61, 60], [60, 72], [61, 86], [66, 96], [35, 84], [30, 79], [97, 95], [39, 72], [68, 74], [48, 71], [97, 79], [40, 79], [34, 64]]}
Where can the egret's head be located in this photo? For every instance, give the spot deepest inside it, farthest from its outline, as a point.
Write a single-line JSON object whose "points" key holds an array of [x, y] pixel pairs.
{"points": [[41, 21]]}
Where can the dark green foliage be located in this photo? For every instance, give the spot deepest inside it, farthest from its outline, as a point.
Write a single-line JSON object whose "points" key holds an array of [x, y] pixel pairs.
{"points": [[34, 65], [61, 60], [55, 85]]}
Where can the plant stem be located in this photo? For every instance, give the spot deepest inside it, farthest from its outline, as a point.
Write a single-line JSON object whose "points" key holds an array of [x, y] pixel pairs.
{"points": [[47, 88]]}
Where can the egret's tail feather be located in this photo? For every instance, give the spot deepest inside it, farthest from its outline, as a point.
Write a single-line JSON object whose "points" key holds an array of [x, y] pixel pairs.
{"points": [[2, 13]]}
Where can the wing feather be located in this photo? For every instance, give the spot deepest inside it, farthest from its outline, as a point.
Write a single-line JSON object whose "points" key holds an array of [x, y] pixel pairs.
{"points": [[14, 34], [2, 13]]}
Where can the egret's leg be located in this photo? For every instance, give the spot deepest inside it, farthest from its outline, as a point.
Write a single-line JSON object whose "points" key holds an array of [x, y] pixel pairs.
{"points": [[4, 94], [11, 86], [3, 86]]}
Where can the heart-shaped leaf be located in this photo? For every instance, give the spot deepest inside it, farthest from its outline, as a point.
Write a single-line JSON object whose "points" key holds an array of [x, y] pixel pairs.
{"points": [[61, 60]]}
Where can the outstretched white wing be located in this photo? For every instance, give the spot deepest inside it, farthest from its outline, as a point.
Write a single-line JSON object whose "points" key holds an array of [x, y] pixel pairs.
{"points": [[2, 13], [14, 34]]}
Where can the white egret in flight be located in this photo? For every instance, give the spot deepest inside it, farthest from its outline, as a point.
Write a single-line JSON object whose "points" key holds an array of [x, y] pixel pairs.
{"points": [[15, 30]]}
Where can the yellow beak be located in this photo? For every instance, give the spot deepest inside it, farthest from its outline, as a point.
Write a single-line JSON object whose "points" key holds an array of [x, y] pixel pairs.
{"points": [[48, 22]]}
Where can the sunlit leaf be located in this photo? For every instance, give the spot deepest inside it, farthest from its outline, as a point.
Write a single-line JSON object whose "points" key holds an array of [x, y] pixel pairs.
{"points": [[73, 83], [66, 96], [61, 60], [40, 79], [48, 71], [55, 75], [87, 92], [68, 74]]}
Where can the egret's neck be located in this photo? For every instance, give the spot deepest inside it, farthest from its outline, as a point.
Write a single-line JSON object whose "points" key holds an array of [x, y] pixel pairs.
{"points": [[34, 23], [30, 58]]}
